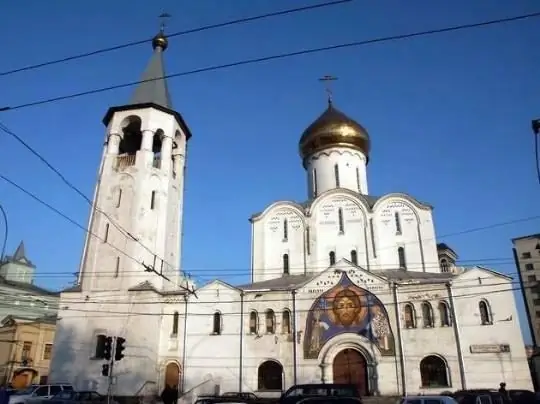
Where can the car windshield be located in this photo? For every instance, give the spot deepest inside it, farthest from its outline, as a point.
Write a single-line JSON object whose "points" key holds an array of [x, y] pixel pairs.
{"points": [[28, 390]]}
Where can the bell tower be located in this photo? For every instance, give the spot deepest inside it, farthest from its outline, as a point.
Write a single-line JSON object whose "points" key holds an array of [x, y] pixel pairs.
{"points": [[138, 200]]}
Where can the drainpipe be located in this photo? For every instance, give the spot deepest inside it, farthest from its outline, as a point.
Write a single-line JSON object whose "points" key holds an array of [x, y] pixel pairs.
{"points": [[400, 339], [241, 364], [294, 335], [457, 337], [184, 342]]}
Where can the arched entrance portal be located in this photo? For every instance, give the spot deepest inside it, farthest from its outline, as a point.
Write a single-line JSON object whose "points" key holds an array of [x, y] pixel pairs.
{"points": [[172, 375], [350, 366]]}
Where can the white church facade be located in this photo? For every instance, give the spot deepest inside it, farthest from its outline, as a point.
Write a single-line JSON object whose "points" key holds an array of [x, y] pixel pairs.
{"points": [[346, 287]]}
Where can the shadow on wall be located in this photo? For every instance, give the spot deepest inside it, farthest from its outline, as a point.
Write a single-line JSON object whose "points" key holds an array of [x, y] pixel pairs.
{"points": [[71, 363]]}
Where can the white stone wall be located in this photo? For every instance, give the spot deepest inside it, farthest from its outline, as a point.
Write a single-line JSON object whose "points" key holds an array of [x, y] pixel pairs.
{"points": [[82, 318], [125, 197], [372, 233], [216, 358], [351, 171]]}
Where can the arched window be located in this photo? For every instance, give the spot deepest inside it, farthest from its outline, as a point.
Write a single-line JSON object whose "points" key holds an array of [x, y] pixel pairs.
{"points": [[358, 179], [427, 315], [444, 314], [398, 223], [253, 322], [409, 316], [106, 234], [175, 324], [315, 188], [286, 264], [285, 230], [485, 313], [270, 376], [286, 322], [100, 346], [332, 257], [216, 327], [401, 258], [270, 321], [340, 221], [336, 175], [434, 372], [444, 265], [354, 257]]}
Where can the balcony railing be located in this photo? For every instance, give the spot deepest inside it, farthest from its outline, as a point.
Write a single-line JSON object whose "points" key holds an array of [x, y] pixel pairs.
{"points": [[124, 161]]}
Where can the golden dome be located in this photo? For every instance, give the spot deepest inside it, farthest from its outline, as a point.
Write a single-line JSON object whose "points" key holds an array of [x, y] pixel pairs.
{"points": [[333, 129], [160, 41]]}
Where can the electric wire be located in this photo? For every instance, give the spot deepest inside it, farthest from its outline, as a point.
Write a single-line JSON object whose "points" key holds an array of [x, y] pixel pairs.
{"points": [[277, 57], [174, 34]]}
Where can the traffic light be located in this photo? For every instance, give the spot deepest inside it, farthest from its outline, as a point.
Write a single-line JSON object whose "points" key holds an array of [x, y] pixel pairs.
{"points": [[107, 348], [118, 355], [105, 370]]}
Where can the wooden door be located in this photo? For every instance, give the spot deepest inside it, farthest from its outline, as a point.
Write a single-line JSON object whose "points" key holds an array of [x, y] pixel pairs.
{"points": [[172, 375], [350, 366]]}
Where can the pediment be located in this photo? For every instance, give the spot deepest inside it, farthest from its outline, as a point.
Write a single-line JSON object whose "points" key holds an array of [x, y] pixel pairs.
{"points": [[357, 275]]}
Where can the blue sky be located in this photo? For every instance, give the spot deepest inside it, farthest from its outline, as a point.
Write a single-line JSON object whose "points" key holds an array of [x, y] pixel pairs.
{"points": [[449, 116]]}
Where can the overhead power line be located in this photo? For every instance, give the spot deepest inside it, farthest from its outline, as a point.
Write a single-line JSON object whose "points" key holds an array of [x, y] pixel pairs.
{"points": [[174, 34], [276, 57]]}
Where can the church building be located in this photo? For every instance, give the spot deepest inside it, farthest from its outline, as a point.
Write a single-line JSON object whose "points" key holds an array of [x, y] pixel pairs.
{"points": [[346, 287]]}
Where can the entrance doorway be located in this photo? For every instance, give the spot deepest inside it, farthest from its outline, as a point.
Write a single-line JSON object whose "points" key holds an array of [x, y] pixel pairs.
{"points": [[172, 375], [350, 366]]}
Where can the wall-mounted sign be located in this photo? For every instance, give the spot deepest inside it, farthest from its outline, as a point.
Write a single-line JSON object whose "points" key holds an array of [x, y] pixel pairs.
{"points": [[490, 348]]}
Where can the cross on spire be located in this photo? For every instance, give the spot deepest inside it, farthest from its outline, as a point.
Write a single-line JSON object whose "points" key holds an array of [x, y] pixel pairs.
{"points": [[164, 17], [326, 80]]}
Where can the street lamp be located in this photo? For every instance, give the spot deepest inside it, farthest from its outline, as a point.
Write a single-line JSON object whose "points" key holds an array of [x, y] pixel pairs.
{"points": [[6, 228]]}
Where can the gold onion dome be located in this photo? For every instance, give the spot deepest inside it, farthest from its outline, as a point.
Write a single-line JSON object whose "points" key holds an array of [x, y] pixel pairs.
{"points": [[334, 129]]}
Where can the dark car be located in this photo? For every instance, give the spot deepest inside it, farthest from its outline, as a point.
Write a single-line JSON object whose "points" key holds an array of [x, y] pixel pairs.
{"points": [[331, 400], [302, 391]]}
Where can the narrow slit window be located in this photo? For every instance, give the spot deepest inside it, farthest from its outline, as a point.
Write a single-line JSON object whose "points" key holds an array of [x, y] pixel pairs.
{"points": [[372, 231], [315, 187], [332, 257], [286, 264], [336, 175], [308, 237], [401, 258], [106, 234], [340, 221], [285, 229], [117, 267], [119, 198], [358, 179], [354, 257], [175, 323], [153, 200], [397, 219]]}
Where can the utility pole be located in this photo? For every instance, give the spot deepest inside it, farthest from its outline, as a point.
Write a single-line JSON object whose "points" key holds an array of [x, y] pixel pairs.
{"points": [[6, 228], [111, 369]]}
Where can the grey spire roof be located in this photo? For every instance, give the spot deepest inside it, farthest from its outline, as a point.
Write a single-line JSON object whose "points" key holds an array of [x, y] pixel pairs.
{"points": [[20, 253], [153, 86]]}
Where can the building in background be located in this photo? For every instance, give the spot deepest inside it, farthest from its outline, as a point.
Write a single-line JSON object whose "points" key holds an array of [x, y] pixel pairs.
{"points": [[27, 321], [527, 250], [19, 295], [25, 350]]}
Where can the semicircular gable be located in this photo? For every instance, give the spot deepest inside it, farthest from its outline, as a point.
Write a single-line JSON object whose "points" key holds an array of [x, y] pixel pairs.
{"points": [[344, 193], [385, 211], [325, 207], [404, 198], [275, 219], [293, 206]]}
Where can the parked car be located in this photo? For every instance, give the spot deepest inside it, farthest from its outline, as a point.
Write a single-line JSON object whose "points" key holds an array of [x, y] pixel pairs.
{"points": [[79, 397], [331, 400], [446, 399], [297, 393], [36, 392]]}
